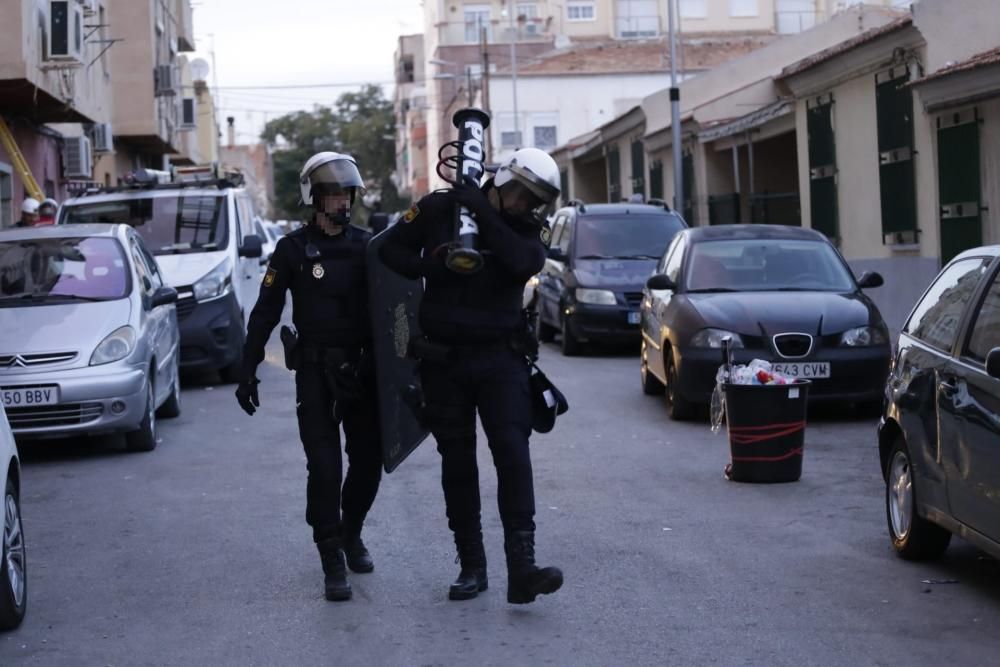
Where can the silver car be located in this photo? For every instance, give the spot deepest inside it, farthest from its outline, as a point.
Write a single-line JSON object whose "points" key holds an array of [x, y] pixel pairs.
{"points": [[90, 341]]}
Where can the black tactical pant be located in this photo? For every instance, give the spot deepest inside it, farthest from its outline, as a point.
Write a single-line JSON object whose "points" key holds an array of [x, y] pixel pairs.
{"points": [[492, 379], [319, 428]]}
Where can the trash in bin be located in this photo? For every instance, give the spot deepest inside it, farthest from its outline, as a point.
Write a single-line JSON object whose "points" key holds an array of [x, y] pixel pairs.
{"points": [[766, 419]]}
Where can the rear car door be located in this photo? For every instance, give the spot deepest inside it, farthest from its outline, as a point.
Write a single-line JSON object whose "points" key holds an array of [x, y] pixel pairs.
{"points": [[548, 295], [920, 382], [656, 302], [156, 321], [975, 407], [248, 268]]}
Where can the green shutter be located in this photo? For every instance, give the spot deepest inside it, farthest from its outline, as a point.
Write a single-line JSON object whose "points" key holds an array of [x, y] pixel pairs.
{"points": [[959, 183], [894, 113], [614, 175], [822, 168], [656, 180], [638, 169]]}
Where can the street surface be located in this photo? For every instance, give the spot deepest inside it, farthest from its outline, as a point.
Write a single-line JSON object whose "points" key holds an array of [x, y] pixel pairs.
{"points": [[198, 553]]}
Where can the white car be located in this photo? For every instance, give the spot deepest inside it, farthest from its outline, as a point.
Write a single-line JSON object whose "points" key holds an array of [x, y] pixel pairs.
{"points": [[13, 582]]}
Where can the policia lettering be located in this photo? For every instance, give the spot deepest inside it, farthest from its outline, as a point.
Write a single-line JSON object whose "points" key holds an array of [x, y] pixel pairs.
{"points": [[323, 265], [470, 322]]}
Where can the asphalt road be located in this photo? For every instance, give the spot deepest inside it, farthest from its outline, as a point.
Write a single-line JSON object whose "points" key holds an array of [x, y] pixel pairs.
{"points": [[198, 552]]}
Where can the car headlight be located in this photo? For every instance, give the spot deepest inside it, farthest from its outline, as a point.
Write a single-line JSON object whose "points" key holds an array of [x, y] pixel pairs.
{"points": [[863, 337], [713, 338], [215, 283], [118, 345], [597, 297]]}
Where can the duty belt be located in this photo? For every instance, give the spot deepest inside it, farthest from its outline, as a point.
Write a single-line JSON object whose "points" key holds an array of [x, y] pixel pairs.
{"points": [[330, 356], [430, 350]]}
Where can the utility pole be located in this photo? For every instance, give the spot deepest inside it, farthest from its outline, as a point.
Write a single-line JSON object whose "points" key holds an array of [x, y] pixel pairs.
{"points": [[675, 115], [485, 82], [513, 68]]}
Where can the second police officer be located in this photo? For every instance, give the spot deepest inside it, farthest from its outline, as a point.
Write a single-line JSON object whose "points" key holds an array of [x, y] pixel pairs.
{"points": [[469, 360], [323, 265]]}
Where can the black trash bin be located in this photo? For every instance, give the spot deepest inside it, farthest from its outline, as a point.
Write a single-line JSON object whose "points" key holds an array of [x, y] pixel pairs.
{"points": [[767, 425]]}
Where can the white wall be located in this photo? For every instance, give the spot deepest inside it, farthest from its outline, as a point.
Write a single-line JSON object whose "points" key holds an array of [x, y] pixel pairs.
{"points": [[579, 103]]}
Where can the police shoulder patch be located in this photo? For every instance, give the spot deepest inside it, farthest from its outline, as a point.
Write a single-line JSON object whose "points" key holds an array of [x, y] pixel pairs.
{"points": [[411, 213], [546, 235], [269, 277]]}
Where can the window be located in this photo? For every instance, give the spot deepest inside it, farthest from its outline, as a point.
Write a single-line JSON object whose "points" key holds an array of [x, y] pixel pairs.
{"points": [[986, 330], [567, 234], [246, 216], [6, 196], [636, 18], [694, 9], [476, 17], [936, 318], [545, 136], [673, 267], [510, 139], [88, 267], [580, 11], [740, 8], [557, 229]]}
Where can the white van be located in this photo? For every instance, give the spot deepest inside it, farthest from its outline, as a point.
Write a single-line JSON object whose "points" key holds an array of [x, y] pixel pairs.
{"points": [[205, 242]]}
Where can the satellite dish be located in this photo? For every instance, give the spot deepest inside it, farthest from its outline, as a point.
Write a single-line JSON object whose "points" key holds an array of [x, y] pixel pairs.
{"points": [[199, 69]]}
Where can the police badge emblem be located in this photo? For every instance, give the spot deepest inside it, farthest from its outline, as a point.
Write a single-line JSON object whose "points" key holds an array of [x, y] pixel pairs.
{"points": [[546, 235], [318, 271]]}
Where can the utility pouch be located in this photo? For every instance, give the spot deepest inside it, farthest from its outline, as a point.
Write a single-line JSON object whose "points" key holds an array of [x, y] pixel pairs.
{"points": [[290, 343]]}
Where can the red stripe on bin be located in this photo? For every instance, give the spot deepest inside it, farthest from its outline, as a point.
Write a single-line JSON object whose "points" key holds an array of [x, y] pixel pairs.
{"points": [[748, 435], [767, 459]]}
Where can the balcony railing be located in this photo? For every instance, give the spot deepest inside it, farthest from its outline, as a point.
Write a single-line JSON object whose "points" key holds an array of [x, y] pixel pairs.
{"points": [[498, 31]]}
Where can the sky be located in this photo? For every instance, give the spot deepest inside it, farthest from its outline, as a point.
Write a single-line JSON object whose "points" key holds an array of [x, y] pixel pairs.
{"points": [[260, 43]]}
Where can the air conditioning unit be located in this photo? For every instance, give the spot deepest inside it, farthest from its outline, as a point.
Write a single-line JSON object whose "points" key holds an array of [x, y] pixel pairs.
{"points": [[163, 80], [65, 44], [103, 138], [76, 158], [187, 114]]}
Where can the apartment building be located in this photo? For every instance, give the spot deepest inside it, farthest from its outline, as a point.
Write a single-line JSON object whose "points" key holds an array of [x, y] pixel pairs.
{"points": [[410, 105]]}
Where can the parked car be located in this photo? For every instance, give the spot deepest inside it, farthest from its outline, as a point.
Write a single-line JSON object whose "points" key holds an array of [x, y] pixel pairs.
{"points": [[90, 343], [599, 258], [204, 237], [939, 437], [783, 294], [13, 562], [268, 243]]}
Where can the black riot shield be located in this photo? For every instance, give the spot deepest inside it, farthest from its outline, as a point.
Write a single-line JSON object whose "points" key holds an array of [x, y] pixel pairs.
{"points": [[394, 303]]}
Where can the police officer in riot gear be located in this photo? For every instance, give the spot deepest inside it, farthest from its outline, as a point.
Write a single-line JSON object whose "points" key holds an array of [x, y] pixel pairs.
{"points": [[323, 265], [470, 358]]}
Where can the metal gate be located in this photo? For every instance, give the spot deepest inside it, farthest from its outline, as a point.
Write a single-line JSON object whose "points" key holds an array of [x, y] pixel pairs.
{"points": [[614, 175], [822, 166], [897, 192]]}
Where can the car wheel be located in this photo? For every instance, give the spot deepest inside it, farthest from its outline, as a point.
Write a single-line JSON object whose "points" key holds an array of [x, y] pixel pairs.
{"points": [[678, 408], [172, 406], [650, 385], [13, 564], [570, 345], [143, 439], [913, 537]]}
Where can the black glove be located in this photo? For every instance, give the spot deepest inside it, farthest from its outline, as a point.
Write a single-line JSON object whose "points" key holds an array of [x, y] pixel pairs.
{"points": [[473, 199], [246, 395]]}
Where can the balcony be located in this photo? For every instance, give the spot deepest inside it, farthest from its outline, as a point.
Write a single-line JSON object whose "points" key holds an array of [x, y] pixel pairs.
{"points": [[497, 31]]}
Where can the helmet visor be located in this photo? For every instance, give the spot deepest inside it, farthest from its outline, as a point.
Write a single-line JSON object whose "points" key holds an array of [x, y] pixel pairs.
{"points": [[522, 201], [336, 176], [538, 186]]}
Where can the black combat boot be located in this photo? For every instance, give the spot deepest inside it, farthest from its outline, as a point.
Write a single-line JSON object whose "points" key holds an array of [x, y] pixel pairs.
{"points": [[525, 580], [331, 552], [358, 558], [472, 579]]}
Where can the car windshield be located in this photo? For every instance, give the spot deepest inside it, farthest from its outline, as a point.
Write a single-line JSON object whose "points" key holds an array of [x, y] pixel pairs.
{"points": [[62, 269], [186, 223], [750, 265], [625, 236]]}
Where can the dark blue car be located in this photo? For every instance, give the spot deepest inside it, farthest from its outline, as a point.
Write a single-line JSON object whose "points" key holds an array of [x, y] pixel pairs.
{"points": [[939, 437]]}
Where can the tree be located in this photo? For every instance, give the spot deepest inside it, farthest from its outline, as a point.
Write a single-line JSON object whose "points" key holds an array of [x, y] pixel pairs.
{"points": [[360, 123]]}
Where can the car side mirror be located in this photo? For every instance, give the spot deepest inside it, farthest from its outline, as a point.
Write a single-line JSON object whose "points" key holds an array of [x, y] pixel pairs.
{"points": [[557, 254], [162, 296], [870, 279], [252, 246], [660, 281], [993, 363]]}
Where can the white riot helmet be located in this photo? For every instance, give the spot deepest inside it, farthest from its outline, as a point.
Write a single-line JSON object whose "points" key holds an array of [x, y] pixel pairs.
{"points": [[331, 172], [537, 173], [30, 205]]}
